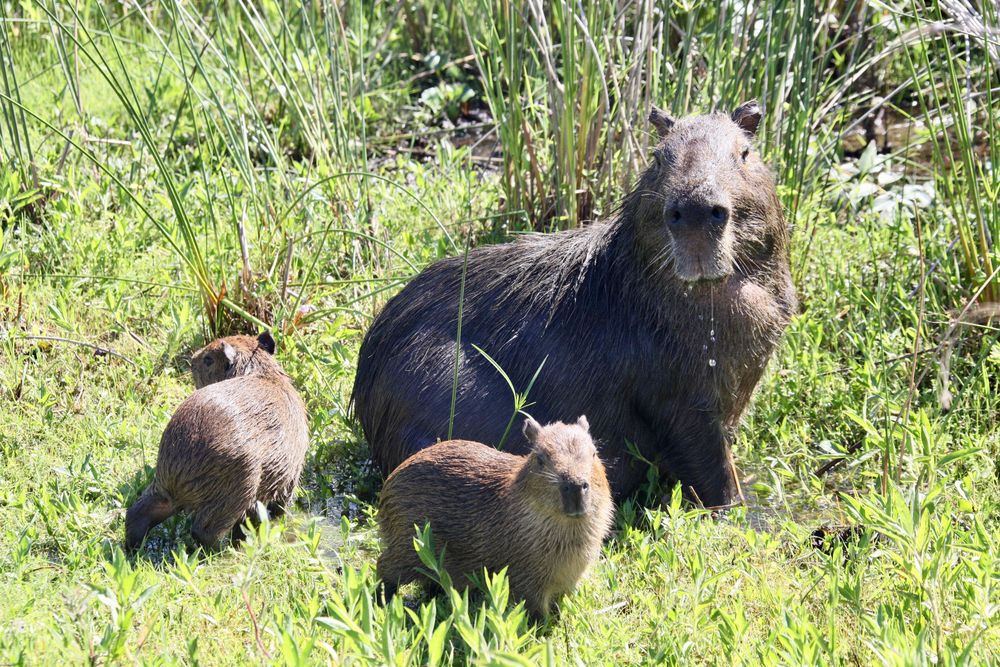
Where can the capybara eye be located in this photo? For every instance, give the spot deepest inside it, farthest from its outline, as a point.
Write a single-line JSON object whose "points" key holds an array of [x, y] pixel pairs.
{"points": [[541, 460], [208, 361], [745, 153]]}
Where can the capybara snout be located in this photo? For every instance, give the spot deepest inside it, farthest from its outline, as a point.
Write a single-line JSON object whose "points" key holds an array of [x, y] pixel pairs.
{"points": [[238, 440], [575, 496]]}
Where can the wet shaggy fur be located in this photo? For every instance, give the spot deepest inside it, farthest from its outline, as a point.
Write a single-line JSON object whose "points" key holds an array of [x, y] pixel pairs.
{"points": [[543, 516], [657, 324], [239, 439]]}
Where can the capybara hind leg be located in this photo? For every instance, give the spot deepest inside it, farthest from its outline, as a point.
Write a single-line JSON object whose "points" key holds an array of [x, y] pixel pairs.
{"points": [[388, 591], [208, 528], [238, 533], [225, 513], [149, 510], [393, 573], [277, 508]]}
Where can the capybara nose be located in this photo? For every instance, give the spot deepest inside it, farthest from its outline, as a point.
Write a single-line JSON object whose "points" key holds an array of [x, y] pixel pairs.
{"points": [[574, 497], [697, 212]]}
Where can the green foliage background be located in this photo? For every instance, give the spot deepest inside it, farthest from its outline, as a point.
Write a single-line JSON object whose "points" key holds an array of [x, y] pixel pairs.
{"points": [[176, 170]]}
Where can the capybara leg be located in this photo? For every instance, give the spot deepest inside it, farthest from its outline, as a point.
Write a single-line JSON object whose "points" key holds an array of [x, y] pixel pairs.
{"points": [[209, 527], [277, 508], [149, 510], [388, 590], [238, 533], [704, 465], [392, 573], [225, 513]]}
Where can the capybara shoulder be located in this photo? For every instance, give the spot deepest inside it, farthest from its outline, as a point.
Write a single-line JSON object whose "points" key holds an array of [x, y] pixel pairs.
{"points": [[542, 515], [240, 439]]}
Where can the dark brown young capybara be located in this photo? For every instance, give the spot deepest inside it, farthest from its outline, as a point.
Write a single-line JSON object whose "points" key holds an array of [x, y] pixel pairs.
{"points": [[656, 324], [239, 439], [543, 516]]}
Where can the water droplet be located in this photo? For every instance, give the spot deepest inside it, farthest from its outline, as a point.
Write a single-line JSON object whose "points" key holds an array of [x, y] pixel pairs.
{"points": [[711, 362], [712, 332], [701, 318], [704, 348], [711, 338]]}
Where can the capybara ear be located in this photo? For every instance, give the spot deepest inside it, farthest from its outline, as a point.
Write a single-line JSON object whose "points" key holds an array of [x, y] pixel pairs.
{"points": [[230, 353], [747, 116], [266, 341], [660, 120], [531, 429], [583, 423]]}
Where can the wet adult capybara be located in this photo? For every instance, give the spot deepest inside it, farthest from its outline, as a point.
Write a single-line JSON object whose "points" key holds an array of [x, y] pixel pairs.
{"points": [[543, 516], [239, 439], [656, 324]]}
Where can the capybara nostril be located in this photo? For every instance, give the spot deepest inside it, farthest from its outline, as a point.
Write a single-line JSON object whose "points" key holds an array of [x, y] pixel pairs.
{"points": [[695, 212]]}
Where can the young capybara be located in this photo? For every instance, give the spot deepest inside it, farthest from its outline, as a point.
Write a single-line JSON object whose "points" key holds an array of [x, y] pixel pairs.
{"points": [[543, 516], [239, 439], [656, 324]]}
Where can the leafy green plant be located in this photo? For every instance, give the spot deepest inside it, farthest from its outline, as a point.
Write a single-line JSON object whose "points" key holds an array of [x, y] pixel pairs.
{"points": [[520, 398]]}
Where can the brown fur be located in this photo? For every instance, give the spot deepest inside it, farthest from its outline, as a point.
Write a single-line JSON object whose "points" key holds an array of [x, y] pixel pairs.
{"points": [[240, 439], [656, 324], [543, 515]]}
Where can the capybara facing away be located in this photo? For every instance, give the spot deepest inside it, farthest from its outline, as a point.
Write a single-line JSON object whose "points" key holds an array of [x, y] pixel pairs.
{"points": [[239, 439], [656, 324], [543, 516]]}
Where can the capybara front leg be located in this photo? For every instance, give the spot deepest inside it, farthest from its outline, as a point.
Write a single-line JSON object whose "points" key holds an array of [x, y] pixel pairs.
{"points": [[701, 458]]}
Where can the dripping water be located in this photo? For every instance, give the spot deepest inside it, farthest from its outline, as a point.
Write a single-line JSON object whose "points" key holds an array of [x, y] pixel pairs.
{"points": [[711, 324]]}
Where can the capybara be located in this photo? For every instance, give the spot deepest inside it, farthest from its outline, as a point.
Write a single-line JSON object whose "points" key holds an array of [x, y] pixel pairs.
{"points": [[239, 439], [543, 516], [657, 324]]}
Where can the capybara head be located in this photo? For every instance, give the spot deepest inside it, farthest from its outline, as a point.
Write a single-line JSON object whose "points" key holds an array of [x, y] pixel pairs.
{"points": [[709, 202], [233, 356], [562, 467]]}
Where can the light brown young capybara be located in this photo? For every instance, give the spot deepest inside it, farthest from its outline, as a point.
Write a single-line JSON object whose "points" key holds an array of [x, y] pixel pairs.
{"points": [[239, 439], [543, 515]]}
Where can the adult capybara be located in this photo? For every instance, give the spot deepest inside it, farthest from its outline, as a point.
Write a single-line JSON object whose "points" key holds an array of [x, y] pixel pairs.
{"points": [[543, 516], [239, 439], [656, 324]]}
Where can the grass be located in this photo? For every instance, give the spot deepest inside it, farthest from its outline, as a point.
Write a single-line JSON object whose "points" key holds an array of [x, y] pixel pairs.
{"points": [[173, 171]]}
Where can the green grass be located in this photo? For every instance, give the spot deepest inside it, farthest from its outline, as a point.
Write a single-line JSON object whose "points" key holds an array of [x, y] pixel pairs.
{"points": [[189, 169]]}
